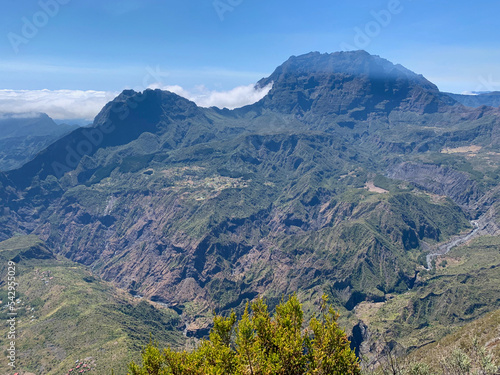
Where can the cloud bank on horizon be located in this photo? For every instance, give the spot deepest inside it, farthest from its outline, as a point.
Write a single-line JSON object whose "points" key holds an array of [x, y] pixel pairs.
{"points": [[58, 104], [85, 105]]}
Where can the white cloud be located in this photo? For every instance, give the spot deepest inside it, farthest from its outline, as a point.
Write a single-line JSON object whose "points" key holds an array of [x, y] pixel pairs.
{"points": [[77, 104], [235, 98], [8, 116], [58, 104]]}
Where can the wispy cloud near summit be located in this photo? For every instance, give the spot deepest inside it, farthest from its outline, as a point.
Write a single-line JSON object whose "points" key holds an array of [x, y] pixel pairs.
{"points": [[235, 98]]}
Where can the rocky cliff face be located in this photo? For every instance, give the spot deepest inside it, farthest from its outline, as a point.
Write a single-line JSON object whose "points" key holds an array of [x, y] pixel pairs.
{"points": [[353, 83], [459, 186]]}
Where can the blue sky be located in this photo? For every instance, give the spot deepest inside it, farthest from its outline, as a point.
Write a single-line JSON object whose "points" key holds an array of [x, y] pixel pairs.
{"points": [[110, 45]]}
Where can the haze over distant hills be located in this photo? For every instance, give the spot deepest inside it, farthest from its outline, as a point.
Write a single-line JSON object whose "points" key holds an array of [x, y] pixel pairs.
{"points": [[22, 136], [491, 99], [353, 177]]}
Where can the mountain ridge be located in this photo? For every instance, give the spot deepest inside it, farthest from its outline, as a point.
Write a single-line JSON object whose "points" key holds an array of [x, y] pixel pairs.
{"points": [[152, 110], [333, 183], [23, 135], [347, 80], [490, 99]]}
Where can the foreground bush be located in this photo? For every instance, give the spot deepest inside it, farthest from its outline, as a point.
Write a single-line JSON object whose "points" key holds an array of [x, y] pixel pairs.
{"points": [[259, 344]]}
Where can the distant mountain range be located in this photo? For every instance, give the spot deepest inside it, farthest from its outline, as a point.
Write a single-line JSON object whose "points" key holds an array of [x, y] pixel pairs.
{"points": [[353, 177], [491, 99], [22, 136]]}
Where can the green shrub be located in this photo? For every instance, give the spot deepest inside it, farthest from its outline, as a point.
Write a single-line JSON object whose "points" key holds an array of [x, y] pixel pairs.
{"points": [[259, 344]]}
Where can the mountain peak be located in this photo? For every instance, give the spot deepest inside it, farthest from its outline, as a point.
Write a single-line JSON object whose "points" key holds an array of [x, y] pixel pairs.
{"points": [[337, 83], [120, 122], [355, 63], [149, 104]]}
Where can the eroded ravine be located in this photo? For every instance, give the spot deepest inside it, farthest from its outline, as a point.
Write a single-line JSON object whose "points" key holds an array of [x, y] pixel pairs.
{"points": [[456, 241]]}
